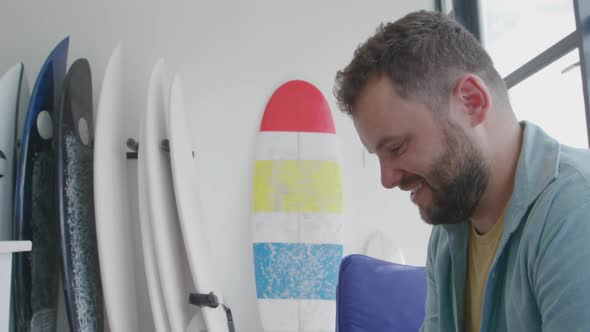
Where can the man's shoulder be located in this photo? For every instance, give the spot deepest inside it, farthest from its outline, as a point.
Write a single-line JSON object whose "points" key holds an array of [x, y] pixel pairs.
{"points": [[564, 205], [571, 187], [574, 163]]}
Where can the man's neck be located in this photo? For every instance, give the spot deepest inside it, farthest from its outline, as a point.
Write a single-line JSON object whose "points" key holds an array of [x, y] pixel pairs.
{"points": [[503, 164]]}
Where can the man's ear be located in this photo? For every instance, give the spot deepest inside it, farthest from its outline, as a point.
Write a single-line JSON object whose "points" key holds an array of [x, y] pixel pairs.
{"points": [[473, 97]]}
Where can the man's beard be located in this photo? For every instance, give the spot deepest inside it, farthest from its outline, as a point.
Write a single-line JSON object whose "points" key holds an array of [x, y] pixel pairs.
{"points": [[460, 176]]}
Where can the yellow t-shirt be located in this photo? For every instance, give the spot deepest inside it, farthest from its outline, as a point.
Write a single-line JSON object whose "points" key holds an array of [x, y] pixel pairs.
{"points": [[481, 253]]}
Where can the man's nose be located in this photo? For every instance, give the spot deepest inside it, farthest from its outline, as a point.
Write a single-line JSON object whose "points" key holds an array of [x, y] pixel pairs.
{"points": [[391, 176]]}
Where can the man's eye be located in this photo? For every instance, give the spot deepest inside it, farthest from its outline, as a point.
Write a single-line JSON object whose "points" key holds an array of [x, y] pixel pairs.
{"points": [[396, 150]]}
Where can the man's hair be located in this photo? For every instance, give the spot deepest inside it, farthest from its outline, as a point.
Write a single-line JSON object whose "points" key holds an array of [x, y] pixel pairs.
{"points": [[423, 54]]}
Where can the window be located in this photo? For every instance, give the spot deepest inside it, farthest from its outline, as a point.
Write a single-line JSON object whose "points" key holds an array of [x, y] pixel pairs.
{"points": [[514, 32], [553, 99]]}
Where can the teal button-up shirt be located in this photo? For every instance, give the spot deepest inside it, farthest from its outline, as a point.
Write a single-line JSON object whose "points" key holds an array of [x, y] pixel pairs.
{"points": [[540, 277]]}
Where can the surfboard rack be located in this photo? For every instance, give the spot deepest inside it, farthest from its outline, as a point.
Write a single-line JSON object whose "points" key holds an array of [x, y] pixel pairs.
{"points": [[203, 300], [210, 300], [230, 319], [134, 146], [3, 162], [165, 145]]}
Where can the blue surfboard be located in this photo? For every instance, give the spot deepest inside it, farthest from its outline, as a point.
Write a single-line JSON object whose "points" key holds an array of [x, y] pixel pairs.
{"points": [[36, 273], [75, 194]]}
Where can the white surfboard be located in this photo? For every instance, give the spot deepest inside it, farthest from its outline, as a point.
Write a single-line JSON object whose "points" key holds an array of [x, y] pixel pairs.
{"points": [[113, 222], [171, 260], [14, 95], [381, 246], [297, 211], [156, 96], [149, 258], [189, 209]]}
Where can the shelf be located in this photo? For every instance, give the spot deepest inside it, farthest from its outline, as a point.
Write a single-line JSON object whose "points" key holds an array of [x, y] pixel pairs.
{"points": [[14, 246]]}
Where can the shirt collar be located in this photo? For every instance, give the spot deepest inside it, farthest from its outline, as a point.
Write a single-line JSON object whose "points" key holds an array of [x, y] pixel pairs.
{"points": [[538, 166]]}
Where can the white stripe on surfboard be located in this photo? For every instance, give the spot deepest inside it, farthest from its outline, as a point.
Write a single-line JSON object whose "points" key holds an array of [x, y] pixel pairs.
{"points": [[283, 145], [316, 228], [277, 315]]}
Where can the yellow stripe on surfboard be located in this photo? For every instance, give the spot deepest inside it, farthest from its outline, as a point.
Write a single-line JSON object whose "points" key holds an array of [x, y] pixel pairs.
{"points": [[297, 186]]}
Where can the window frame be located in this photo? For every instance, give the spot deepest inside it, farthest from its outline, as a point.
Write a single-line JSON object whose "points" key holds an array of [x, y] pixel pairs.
{"points": [[468, 13]]}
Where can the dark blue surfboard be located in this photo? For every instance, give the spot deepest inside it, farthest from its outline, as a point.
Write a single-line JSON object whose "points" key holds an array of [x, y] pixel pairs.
{"points": [[36, 273], [74, 136]]}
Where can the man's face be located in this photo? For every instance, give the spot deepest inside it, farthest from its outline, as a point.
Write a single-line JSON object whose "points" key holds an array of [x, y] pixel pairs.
{"points": [[432, 157]]}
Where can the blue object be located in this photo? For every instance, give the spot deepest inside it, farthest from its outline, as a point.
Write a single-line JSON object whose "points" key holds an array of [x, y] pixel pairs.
{"points": [[375, 295], [36, 273], [296, 271]]}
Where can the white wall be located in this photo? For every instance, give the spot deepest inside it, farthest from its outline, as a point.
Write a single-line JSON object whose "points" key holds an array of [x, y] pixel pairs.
{"points": [[232, 56]]}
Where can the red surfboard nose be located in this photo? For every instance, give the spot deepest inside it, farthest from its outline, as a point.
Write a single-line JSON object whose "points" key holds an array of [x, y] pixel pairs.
{"points": [[298, 106]]}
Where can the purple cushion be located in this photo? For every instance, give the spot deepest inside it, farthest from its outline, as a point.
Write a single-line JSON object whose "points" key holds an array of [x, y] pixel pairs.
{"points": [[375, 295]]}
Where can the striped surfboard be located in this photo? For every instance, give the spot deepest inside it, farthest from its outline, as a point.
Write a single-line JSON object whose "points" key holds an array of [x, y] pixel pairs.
{"points": [[297, 211]]}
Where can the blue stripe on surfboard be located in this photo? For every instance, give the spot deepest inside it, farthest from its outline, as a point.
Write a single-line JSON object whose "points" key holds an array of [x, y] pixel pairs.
{"points": [[296, 271]]}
